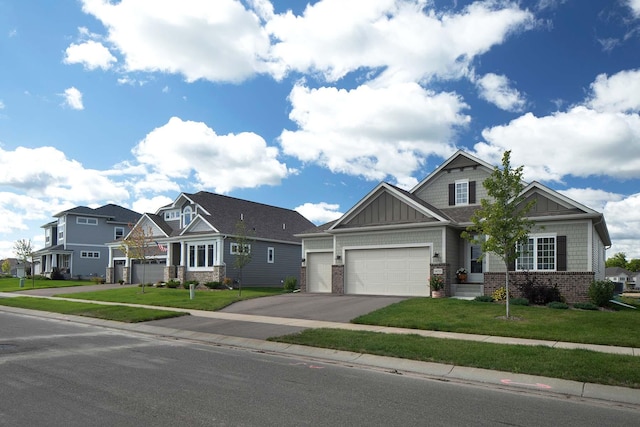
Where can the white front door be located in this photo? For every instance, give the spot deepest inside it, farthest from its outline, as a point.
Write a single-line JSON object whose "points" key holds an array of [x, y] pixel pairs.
{"points": [[475, 265]]}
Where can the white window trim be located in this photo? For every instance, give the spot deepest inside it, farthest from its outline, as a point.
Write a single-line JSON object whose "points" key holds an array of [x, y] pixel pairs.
{"points": [[271, 255], [535, 238], [115, 233], [172, 215], [83, 220], [208, 245], [233, 249], [94, 254], [459, 182], [187, 211]]}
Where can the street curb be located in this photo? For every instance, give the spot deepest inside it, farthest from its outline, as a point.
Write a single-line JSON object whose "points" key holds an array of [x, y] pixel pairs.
{"points": [[438, 371]]}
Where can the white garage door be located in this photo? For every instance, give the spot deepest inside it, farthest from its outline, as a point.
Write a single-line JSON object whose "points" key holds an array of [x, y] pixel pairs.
{"points": [[319, 271], [393, 271]]}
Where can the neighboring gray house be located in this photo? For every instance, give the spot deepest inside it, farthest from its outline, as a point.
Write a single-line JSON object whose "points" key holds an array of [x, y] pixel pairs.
{"points": [[622, 276], [392, 241], [75, 243], [193, 239]]}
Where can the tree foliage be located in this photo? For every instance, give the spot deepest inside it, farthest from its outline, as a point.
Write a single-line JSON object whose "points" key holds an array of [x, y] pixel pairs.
{"points": [[500, 225], [243, 255], [617, 260], [6, 266], [136, 246]]}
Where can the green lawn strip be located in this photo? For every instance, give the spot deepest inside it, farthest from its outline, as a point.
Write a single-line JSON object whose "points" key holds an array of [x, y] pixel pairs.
{"points": [[452, 315], [11, 284], [577, 365], [107, 312], [180, 298]]}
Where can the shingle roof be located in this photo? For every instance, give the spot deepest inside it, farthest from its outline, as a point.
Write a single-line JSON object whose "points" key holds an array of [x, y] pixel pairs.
{"points": [[262, 221], [113, 212]]}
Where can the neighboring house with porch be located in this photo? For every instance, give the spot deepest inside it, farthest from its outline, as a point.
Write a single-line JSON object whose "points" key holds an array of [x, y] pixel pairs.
{"points": [[622, 276], [75, 243], [194, 238], [393, 240]]}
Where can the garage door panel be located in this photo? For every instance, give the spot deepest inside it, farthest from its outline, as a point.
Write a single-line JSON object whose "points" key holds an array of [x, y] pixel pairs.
{"points": [[390, 271], [319, 272]]}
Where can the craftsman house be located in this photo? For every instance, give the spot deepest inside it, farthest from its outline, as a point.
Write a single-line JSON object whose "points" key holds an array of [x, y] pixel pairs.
{"points": [[194, 238], [393, 240]]}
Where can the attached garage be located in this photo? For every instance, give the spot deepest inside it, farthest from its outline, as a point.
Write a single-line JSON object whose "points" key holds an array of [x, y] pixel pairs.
{"points": [[319, 271], [387, 271], [150, 272]]}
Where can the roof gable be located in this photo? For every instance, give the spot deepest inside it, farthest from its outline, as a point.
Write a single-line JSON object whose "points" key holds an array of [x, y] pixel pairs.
{"points": [[387, 205], [459, 160]]}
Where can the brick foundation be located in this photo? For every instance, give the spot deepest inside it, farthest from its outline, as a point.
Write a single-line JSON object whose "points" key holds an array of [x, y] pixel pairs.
{"points": [[573, 286], [303, 279]]}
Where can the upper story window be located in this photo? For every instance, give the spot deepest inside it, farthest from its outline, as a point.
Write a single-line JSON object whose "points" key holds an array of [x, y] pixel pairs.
{"points": [[462, 192], [539, 253], [119, 233], [172, 215], [187, 216], [47, 236], [60, 233], [86, 221]]}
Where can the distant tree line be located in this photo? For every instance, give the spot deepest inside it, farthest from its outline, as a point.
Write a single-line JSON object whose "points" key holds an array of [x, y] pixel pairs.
{"points": [[620, 260]]}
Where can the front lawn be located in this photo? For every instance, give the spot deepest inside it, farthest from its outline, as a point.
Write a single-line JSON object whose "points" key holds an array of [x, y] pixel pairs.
{"points": [[472, 317], [107, 312], [203, 300], [11, 284], [576, 365]]}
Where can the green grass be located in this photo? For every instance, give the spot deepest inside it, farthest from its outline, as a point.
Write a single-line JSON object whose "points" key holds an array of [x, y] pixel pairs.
{"points": [[577, 365], [11, 284], [451, 315], [203, 300], [108, 312]]}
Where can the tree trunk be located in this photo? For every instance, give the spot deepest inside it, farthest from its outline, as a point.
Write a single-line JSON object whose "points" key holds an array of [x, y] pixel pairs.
{"points": [[506, 286]]}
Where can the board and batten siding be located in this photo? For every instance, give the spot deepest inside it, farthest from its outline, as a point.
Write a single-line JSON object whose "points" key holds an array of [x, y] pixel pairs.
{"points": [[387, 209]]}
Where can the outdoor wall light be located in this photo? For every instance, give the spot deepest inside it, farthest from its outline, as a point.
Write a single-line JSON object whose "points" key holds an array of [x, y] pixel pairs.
{"points": [[436, 255], [338, 257], [303, 259]]}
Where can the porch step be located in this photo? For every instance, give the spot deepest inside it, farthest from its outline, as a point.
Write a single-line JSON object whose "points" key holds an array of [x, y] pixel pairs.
{"points": [[469, 290]]}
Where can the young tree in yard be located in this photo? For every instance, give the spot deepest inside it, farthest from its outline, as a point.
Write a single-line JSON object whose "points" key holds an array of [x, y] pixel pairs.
{"points": [[243, 255], [24, 251], [6, 266], [136, 246], [500, 225]]}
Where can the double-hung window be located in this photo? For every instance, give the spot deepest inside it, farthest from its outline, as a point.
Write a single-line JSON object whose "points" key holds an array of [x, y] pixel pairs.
{"points": [[201, 255], [538, 253], [462, 192]]}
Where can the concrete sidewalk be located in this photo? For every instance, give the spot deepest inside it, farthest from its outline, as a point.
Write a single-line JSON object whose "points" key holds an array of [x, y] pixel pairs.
{"points": [[499, 379]]}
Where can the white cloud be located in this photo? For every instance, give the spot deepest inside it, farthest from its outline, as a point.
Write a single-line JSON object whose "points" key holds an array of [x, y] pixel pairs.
{"points": [[372, 132], [620, 92], [73, 98], [91, 54], [218, 40], [151, 205], [1, 105], [623, 222], [222, 162], [592, 198], [496, 89], [53, 177], [635, 7], [407, 40], [319, 213]]}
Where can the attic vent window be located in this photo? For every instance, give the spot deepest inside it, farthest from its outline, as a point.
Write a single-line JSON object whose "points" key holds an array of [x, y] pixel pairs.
{"points": [[284, 226], [241, 217]]}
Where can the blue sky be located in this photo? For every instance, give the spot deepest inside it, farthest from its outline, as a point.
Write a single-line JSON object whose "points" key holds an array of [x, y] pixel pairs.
{"points": [[309, 106]]}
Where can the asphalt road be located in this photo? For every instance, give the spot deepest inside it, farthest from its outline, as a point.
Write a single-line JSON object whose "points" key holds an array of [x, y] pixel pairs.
{"points": [[59, 373]]}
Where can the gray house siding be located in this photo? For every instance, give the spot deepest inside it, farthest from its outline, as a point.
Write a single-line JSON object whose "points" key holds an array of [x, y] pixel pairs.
{"points": [[436, 191], [259, 272]]}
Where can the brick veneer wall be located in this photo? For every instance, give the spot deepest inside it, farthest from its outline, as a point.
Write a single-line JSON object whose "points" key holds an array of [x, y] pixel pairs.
{"points": [[573, 285], [337, 279]]}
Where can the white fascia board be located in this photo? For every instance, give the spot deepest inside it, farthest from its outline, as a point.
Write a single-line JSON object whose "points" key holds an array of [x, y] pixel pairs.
{"points": [[558, 197], [447, 162]]}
